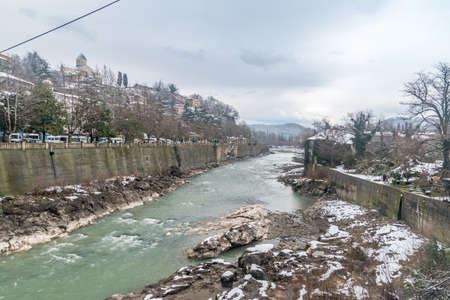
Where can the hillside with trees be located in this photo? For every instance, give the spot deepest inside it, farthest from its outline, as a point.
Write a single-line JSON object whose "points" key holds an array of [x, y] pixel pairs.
{"points": [[98, 103]]}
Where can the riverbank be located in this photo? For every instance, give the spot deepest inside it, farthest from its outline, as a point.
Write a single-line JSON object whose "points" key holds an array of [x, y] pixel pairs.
{"points": [[358, 254], [340, 250], [28, 220]]}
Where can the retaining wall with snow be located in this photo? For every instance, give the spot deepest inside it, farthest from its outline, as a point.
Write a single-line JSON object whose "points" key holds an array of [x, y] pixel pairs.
{"points": [[23, 171], [428, 216]]}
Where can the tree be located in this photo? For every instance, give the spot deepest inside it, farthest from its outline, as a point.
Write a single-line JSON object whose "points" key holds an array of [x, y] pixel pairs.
{"points": [[125, 80], [46, 114], [119, 79], [36, 67], [429, 97], [158, 86], [172, 88], [359, 125], [126, 122], [98, 122]]}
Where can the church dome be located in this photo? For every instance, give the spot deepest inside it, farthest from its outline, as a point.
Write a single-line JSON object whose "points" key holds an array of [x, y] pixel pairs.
{"points": [[81, 60]]}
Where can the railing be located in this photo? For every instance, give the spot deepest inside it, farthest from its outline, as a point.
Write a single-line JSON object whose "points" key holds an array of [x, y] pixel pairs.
{"points": [[48, 146]]}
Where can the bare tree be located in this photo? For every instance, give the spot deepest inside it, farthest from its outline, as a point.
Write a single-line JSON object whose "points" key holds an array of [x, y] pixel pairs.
{"points": [[429, 97]]}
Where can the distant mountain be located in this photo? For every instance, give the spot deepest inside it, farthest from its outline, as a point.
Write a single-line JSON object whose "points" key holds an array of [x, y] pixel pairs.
{"points": [[286, 130]]}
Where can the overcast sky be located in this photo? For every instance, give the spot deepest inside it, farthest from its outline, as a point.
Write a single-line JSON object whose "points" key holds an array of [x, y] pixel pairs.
{"points": [[275, 61]]}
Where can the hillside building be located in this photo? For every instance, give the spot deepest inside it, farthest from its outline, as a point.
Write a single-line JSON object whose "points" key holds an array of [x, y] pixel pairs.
{"points": [[81, 74]]}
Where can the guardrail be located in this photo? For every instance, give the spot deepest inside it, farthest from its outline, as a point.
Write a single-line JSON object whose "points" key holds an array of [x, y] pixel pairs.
{"points": [[48, 146]]}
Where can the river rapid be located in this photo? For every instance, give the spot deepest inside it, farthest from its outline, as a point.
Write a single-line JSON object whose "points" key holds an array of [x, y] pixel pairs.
{"points": [[129, 249]]}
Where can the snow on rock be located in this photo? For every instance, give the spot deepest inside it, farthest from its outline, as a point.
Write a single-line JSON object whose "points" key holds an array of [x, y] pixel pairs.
{"points": [[56, 189], [226, 274], [150, 297], [303, 292], [333, 266], [220, 261], [127, 180], [338, 210], [360, 292], [236, 293], [76, 188], [396, 243], [286, 273], [261, 248], [428, 168], [263, 288], [335, 233]]}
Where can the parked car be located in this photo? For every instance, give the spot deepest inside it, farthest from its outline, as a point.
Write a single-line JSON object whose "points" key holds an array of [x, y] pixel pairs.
{"points": [[152, 140], [102, 140], [117, 140], [15, 138]]}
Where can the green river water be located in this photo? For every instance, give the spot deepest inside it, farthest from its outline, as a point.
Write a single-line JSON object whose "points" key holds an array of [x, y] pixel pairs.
{"points": [[129, 249]]}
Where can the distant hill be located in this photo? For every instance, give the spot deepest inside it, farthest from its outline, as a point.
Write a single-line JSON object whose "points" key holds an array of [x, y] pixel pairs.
{"points": [[398, 121], [286, 130]]}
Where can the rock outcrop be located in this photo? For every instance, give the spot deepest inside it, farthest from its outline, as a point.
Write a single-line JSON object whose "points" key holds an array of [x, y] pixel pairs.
{"points": [[248, 224]]}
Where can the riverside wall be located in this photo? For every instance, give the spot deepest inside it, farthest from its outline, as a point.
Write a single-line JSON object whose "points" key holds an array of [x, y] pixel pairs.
{"points": [[428, 216], [23, 171]]}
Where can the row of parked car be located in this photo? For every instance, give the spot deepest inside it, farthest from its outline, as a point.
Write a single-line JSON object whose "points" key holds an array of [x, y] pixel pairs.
{"points": [[60, 139]]}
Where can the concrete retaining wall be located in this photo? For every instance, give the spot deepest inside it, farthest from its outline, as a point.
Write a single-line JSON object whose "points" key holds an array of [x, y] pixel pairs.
{"points": [[23, 171], [426, 215]]}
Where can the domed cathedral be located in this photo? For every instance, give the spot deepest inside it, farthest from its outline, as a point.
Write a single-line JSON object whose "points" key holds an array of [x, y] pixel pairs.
{"points": [[81, 74], [81, 61]]}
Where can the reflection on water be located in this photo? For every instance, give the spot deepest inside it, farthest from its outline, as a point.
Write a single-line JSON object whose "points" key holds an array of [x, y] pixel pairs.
{"points": [[129, 249]]}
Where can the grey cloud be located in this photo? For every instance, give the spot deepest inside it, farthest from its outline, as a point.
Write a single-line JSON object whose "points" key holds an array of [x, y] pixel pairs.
{"points": [[30, 13], [77, 28], [198, 55], [261, 59]]}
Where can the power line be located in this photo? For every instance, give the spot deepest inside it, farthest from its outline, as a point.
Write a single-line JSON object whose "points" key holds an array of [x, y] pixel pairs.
{"points": [[56, 28]]}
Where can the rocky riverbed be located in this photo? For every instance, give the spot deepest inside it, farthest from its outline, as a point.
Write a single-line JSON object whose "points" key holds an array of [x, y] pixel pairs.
{"points": [[27, 220], [332, 250]]}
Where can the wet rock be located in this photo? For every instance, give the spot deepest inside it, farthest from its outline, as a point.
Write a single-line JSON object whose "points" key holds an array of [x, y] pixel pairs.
{"points": [[259, 257], [227, 279], [256, 271]]}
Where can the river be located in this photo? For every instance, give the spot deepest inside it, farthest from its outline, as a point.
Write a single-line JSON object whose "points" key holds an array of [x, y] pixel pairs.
{"points": [[129, 249]]}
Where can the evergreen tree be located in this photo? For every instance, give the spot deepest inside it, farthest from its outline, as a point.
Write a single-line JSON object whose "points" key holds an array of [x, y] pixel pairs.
{"points": [[36, 67], [119, 79], [125, 80], [47, 115], [360, 127], [172, 88]]}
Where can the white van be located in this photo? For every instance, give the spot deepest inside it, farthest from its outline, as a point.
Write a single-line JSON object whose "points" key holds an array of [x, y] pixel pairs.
{"points": [[54, 139], [76, 139], [15, 138], [32, 137]]}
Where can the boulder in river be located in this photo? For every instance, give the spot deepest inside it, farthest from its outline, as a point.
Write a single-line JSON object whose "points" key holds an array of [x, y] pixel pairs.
{"points": [[254, 226]]}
